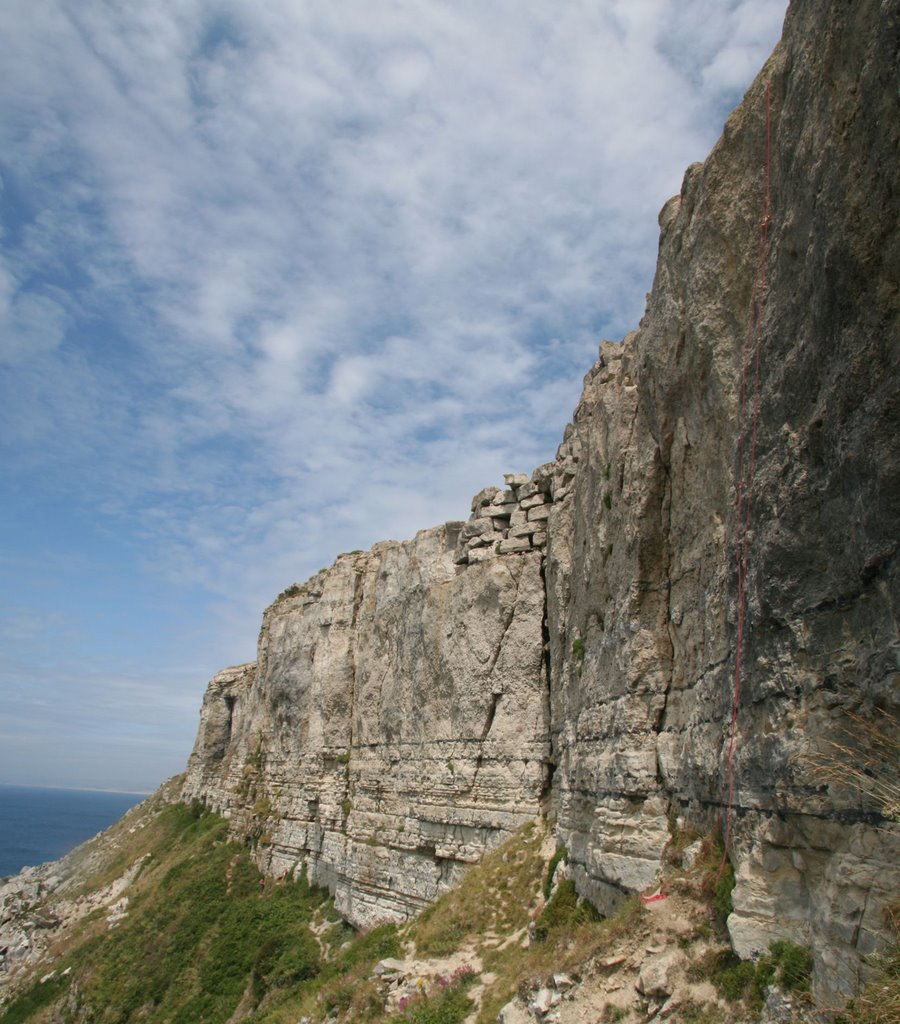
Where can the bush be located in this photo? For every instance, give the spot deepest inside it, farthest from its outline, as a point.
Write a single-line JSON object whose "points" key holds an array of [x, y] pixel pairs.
{"points": [[449, 1004], [793, 966], [717, 876], [285, 960], [786, 965], [738, 981], [723, 889], [562, 854], [563, 910], [378, 944]]}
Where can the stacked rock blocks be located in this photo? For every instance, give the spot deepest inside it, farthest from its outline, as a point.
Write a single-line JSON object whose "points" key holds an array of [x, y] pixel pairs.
{"points": [[506, 520]]}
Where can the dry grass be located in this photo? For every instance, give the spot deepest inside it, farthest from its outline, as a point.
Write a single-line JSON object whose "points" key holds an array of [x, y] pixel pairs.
{"points": [[864, 759], [568, 947], [494, 897], [879, 1001]]}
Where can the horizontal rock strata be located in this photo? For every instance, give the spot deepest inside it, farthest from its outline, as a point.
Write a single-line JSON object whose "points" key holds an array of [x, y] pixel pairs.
{"points": [[394, 726], [641, 567], [572, 646]]}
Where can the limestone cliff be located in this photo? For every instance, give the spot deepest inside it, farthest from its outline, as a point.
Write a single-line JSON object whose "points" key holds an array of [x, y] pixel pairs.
{"points": [[394, 726], [572, 647], [641, 568]]}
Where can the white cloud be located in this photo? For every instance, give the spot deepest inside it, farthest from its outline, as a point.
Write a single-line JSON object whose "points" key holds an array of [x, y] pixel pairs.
{"points": [[280, 280]]}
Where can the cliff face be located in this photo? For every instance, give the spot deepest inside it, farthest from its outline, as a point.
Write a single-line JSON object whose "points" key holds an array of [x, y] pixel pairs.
{"points": [[641, 568], [394, 726], [572, 647]]}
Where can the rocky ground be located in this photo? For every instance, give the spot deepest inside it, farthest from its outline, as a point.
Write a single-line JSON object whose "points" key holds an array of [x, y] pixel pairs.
{"points": [[512, 943], [662, 957]]}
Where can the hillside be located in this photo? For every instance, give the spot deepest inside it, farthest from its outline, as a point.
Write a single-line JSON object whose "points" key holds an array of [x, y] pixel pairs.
{"points": [[163, 919], [685, 627]]}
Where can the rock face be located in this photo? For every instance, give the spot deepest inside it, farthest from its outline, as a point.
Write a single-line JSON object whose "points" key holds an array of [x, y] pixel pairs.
{"points": [[641, 567], [572, 646], [394, 727]]}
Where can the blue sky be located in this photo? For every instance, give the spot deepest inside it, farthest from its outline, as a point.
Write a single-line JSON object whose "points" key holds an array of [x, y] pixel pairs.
{"points": [[278, 281]]}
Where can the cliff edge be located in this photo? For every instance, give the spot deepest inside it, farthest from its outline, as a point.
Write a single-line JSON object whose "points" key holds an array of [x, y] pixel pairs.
{"points": [[672, 624]]}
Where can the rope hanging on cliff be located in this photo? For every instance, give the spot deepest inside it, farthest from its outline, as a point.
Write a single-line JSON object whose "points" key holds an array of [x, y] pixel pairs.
{"points": [[748, 422]]}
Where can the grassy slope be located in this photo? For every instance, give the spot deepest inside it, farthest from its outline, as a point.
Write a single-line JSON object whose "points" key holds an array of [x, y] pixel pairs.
{"points": [[207, 941], [200, 931]]}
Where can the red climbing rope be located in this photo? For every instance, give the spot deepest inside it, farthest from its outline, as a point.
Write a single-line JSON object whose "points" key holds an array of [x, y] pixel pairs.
{"points": [[748, 422]]}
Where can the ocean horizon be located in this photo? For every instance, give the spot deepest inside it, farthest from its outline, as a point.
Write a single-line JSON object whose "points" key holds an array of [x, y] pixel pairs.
{"points": [[42, 823]]}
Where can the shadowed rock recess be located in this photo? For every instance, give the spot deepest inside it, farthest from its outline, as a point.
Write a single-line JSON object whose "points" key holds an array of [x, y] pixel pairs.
{"points": [[571, 648]]}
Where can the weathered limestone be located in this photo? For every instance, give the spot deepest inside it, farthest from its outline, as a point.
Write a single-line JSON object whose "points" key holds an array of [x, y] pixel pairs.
{"points": [[573, 642], [641, 567], [393, 728], [517, 516]]}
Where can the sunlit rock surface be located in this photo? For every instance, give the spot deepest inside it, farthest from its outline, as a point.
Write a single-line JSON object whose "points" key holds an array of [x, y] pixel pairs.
{"points": [[571, 648], [394, 727]]}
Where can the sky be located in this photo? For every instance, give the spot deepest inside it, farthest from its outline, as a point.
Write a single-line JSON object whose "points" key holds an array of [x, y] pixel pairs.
{"points": [[281, 280]]}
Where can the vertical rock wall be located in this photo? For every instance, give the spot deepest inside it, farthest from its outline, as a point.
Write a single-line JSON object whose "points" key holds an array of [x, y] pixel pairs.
{"points": [[641, 569], [572, 646], [394, 726]]}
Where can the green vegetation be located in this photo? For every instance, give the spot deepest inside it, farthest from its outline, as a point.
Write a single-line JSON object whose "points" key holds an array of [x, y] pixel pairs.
{"points": [[195, 936], [564, 910], [562, 854], [786, 965], [607, 500], [722, 890], [447, 1004], [207, 939], [34, 999], [494, 898], [372, 946], [578, 649], [713, 869], [204, 933]]}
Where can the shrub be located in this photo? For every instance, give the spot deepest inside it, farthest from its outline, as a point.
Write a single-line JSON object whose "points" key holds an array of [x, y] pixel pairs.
{"points": [[737, 981], [563, 910], [562, 854], [786, 964], [722, 890], [378, 944], [447, 1004], [717, 876], [285, 960], [793, 965]]}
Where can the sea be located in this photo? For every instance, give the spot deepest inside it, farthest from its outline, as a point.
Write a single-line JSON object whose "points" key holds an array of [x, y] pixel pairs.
{"points": [[37, 824]]}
